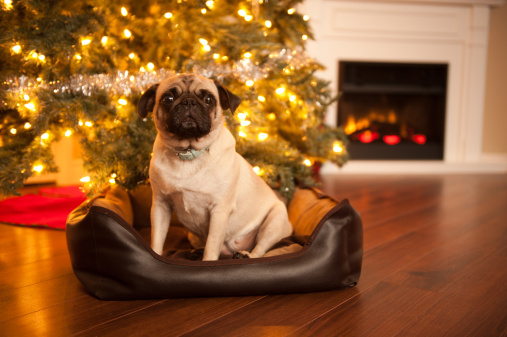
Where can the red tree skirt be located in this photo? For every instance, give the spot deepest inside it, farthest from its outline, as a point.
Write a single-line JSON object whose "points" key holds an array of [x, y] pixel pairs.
{"points": [[48, 209]]}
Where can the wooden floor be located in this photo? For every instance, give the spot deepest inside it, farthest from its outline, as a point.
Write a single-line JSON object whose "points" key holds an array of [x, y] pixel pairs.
{"points": [[435, 264]]}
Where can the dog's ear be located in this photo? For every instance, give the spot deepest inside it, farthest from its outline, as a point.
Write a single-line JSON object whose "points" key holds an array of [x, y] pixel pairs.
{"points": [[147, 101], [227, 99]]}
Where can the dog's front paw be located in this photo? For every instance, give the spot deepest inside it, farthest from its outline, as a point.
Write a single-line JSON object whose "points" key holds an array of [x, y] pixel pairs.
{"points": [[241, 255]]}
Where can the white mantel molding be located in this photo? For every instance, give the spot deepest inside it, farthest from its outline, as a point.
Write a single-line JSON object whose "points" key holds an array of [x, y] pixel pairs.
{"points": [[439, 2], [454, 32]]}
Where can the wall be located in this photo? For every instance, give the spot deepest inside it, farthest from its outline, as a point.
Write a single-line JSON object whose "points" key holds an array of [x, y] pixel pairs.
{"points": [[495, 105]]}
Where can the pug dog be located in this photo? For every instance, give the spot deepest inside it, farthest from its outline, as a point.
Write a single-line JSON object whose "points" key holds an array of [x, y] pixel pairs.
{"points": [[196, 172]]}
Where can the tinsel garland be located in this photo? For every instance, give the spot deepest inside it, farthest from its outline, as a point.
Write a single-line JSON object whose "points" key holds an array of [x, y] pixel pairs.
{"points": [[123, 83]]}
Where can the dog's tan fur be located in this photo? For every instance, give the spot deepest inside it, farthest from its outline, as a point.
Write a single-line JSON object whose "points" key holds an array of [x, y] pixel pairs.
{"points": [[217, 196]]}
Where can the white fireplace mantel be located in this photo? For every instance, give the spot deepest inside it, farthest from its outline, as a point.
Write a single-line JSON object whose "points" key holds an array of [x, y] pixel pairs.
{"points": [[454, 32]]}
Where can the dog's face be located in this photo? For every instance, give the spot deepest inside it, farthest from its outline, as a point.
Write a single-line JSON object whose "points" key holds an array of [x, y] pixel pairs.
{"points": [[187, 106]]}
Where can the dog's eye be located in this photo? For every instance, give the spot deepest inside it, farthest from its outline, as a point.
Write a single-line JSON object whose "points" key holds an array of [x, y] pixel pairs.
{"points": [[208, 100], [168, 99]]}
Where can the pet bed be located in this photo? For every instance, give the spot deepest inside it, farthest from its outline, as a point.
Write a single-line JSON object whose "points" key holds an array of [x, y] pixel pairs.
{"points": [[108, 242]]}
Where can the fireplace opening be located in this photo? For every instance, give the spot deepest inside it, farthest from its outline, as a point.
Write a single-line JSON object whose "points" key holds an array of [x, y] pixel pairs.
{"points": [[393, 111]]}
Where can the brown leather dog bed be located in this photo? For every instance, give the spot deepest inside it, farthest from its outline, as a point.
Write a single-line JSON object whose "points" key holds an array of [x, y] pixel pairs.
{"points": [[108, 242]]}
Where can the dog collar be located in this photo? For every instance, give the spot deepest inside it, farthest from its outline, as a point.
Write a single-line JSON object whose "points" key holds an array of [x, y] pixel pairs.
{"points": [[189, 154]]}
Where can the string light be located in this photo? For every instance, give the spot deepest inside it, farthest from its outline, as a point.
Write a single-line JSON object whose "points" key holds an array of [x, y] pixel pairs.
{"points": [[338, 147], [210, 4], [44, 136], [13, 131], [304, 37], [307, 162], [150, 66], [249, 83], [247, 55], [78, 57], [122, 101], [306, 17], [280, 90], [16, 49], [272, 116], [127, 33], [30, 106], [203, 11], [268, 24], [204, 42], [131, 56], [168, 15], [38, 168], [216, 56], [245, 123], [124, 11], [85, 42], [68, 133], [8, 4], [261, 99], [85, 179], [42, 57], [242, 13], [104, 40], [248, 18], [242, 134], [291, 11], [262, 136], [27, 126]]}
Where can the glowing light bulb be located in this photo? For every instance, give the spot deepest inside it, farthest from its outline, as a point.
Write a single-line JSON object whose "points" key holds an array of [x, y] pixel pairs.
{"points": [[150, 66], [204, 42], [268, 23], [245, 123], [104, 40], [122, 101], [8, 4], [27, 125], [203, 11], [131, 56], [127, 33], [16, 49], [257, 169], [42, 57], [249, 83], [26, 97], [210, 4], [280, 90], [261, 99], [241, 116], [262, 136], [85, 179], [124, 11], [206, 48], [13, 131], [44, 136], [306, 17], [216, 56], [247, 55], [291, 11], [85, 42], [38, 168], [307, 162], [30, 106], [78, 57], [272, 116], [112, 181], [68, 133], [168, 15], [242, 13], [292, 98], [337, 147], [304, 37], [248, 18]]}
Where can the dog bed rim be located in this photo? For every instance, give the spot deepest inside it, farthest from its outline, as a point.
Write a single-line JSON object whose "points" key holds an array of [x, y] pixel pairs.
{"points": [[119, 220]]}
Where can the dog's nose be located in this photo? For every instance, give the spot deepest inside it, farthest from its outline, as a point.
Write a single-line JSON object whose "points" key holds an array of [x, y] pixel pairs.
{"points": [[189, 101]]}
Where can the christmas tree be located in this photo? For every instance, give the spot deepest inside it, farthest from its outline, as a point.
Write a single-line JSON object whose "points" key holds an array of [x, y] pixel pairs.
{"points": [[79, 67]]}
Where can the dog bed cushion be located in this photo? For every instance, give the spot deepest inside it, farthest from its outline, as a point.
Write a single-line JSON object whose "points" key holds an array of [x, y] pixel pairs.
{"points": [[114, 261]]}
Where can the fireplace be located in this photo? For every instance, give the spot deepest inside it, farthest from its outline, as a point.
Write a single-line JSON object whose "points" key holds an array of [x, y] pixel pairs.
{"points": [[393, 111]]}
